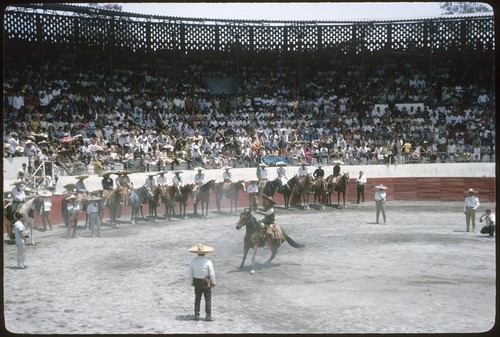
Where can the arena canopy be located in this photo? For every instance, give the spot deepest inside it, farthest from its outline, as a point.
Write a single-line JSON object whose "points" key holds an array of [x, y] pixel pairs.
{"points": [[77, 25]]}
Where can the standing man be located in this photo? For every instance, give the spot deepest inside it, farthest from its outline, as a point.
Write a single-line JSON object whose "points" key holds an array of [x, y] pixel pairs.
{"points": [[360, 186], [21, 240], [73, 208], [46, 206], [380, 198], [253, 191], [202, 276], [93, 214], [471, 203]]}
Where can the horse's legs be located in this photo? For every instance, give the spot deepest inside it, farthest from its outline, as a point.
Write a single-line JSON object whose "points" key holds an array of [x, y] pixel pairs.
{"points": [[245, 252], [252, 270]]}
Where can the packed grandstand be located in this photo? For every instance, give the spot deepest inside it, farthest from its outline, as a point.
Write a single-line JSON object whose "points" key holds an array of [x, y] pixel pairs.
{"points": [[82, 106]]}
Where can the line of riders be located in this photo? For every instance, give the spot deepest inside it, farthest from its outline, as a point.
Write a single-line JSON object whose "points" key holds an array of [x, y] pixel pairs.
{"points": [[116, 194]]}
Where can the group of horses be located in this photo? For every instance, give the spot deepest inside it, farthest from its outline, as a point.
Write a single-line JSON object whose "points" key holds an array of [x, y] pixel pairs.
{"points": [[298, 189]]}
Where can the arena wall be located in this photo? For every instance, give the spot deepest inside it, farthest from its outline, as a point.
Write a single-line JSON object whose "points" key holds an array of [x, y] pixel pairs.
{"points": [[439, 182]]}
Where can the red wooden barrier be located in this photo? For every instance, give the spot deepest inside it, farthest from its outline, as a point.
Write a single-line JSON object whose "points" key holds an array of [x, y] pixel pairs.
{"points": [[439, 189]]}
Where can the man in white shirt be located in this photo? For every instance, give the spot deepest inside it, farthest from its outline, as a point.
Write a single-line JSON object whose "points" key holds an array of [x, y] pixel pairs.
{"points": [[471, 203], [380, 198], [201, 269], [177, 179], [302, 171], [360, 186], [489, 219], [73, 208], [199, 179], [150, 181], [161, 180], [253, 191], [21, 240]]}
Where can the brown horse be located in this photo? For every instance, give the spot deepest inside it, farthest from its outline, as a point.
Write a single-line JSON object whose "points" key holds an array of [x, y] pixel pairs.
{"points": [[154, 202], [203, 196], [169, 194], [303, 190], [114, 200], [253, 237], [340, 187], [320, 188], [232, 192]]}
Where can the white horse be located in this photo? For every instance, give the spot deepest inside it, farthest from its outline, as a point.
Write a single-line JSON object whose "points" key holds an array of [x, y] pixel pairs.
{"points": [[28, 208]]}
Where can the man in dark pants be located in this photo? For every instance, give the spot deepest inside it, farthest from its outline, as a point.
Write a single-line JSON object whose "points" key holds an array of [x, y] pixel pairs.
{"points": [[360, 186], [202, 276]]}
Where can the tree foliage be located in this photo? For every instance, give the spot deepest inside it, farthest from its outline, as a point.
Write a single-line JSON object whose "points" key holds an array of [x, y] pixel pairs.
{"points": [[464, 7]]}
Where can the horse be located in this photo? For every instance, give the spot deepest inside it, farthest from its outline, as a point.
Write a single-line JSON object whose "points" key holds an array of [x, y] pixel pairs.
{"points": [[253, 237], [28, 209], [232, 193], [320, 189], [271, 187], [114, 200], [339, 187], [287, 189], [154, 202], [169, 193], [182, 197], [304, 189], [137, 198], [203, 196]]}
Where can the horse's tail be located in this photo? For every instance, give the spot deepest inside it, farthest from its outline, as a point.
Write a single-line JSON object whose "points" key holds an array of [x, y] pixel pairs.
{"points": [[293, 243]]}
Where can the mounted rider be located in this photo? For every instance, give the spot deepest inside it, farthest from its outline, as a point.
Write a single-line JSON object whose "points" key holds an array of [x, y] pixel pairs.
{"points": [[107, 186], [199, 179], [18, 195], [336, 172], [268, 223], [281, 172], [124, 183], [262, 175]]}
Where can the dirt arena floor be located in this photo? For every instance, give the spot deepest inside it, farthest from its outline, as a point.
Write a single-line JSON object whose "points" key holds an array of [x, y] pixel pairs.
{"points": [[419, 273]]}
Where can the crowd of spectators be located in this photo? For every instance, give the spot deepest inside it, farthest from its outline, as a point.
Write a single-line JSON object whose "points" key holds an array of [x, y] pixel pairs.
{"points": [[68, 109]]}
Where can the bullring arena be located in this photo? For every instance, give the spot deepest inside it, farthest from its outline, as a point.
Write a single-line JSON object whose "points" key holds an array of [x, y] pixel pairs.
{"points": [[90, 90]]}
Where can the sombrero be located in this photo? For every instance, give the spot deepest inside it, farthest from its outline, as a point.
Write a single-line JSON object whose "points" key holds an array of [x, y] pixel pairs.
{"points": [[83, 176], [263, 165], [117, 172], [175, 172], [105, 174], [281, 163], [201, 249], [93, 198], [303, 163], [70, 186], [381, 187], [338, 162], [125, 172], [44, 193], [19, 149], [151, 174], [161, 172], [14, 134], [227, 167], [6, 145], [18, 182], [72, 196], [470, 190], [319, 165], [199, 168], [269, 199]]}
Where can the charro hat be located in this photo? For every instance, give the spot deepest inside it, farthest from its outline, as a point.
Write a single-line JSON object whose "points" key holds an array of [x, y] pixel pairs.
{"points": [[177, 172], [199, 168], [151, 174], [83, 176], [281, 163], [93, 198], [44, 193], [105, 174], [18, 182], [125, 172], [19, 149], [338, 162], [381, 187], [161, 172], [72, 196], [262, 165], [201, 249], [471, 190], [70, 186], [227, 167]]}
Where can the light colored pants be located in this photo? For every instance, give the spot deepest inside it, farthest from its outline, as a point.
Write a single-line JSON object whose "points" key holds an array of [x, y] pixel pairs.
{"points": [[470, 214], [380, 206], [21, 254], [94, 223]]}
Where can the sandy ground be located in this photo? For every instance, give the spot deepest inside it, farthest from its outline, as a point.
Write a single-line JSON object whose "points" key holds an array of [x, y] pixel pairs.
{"points": [[420, 273]]}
